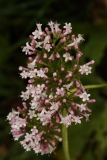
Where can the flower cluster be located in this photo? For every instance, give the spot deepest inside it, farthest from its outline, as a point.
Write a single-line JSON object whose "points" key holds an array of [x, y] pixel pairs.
{"points": [[53, 73]]}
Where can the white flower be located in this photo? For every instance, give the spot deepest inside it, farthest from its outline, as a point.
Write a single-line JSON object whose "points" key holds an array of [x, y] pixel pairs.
{"points": [[12, 114], [79, 38], [48, 47], [76, 119], [56, 25], [84, 96], [25, 95], [25, 146], [46, 40], [60, 91], [39, 27], [31, 89], [16, 134], [28, 137], [67, 57], [18, 122], [50, 149], [24, 74], [36, 97], [34, 130], [43, 95], [37, 148], [32, 114], [67, 86], [66, 120], [44, 116], [32, 73], [51, 24], [86, 116], [38, 44], [27, 48], [51, 96], [82, 107], [32, 64], [34, 105], [67, 26], [76, 40], [37, 34], [54, 106], [40, 73], [39, 88], [85, 69]]}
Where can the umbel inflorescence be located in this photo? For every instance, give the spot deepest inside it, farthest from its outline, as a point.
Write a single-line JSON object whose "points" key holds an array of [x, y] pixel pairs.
{"points": [[53, 74]]}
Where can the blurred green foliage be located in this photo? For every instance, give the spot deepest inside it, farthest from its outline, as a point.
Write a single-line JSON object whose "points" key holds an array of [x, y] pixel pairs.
{"points": [[87, 141]]}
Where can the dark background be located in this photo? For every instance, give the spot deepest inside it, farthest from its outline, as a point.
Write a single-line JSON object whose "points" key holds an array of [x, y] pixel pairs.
{"points": [[18, 19]]}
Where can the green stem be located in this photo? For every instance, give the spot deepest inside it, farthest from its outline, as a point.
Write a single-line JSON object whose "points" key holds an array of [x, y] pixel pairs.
{"points": [[95, 86], [65, 139], [91, 87]]}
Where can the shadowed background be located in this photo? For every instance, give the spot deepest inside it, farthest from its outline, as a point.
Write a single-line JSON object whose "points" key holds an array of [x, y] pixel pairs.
{"points": [[18, 19]]}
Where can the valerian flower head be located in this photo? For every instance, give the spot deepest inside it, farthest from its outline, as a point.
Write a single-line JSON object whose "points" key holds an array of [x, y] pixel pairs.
{"points": [[53, 74]]}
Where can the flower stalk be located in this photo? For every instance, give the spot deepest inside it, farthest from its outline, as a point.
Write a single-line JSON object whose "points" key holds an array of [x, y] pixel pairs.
{"points": [[93, 86], [65, 139]]}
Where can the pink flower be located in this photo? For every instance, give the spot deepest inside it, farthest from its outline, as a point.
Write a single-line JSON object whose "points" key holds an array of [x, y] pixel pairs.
{"points": [[60, 91], [54, 84]]}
